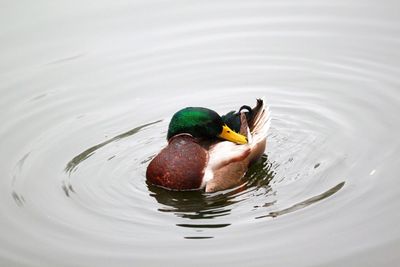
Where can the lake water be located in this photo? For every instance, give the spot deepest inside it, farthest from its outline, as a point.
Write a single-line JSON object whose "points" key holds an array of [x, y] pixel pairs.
{"points": [[87, 91]]}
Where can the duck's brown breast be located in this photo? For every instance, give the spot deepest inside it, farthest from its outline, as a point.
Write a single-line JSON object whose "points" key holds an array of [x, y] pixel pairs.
{"points": [[180, 165]]}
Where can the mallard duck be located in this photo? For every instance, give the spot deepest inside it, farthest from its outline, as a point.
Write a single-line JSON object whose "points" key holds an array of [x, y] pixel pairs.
{"points": [[210, 152]]}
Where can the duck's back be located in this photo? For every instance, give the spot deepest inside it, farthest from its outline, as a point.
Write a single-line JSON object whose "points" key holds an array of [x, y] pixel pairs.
{"points": [[228, 162]]}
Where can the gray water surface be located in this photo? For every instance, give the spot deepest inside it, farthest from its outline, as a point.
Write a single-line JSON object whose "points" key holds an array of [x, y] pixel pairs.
{"points": [[87, 91]]}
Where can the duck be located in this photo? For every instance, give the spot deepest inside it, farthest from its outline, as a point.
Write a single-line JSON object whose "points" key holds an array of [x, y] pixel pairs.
{"points": [[209, 152]]}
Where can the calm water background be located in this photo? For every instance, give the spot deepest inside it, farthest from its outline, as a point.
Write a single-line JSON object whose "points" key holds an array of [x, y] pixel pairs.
{"points": [[87, 91]]}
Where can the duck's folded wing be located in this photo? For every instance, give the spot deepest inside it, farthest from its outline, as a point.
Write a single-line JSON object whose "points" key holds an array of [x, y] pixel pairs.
{"points": [[224, 153]]}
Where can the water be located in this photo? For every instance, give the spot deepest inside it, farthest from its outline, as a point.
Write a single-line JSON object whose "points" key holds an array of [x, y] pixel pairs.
{"points": [[88, 89]]}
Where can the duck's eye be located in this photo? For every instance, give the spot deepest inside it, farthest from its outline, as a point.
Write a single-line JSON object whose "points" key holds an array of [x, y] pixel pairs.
{"points": [[228, 131]]}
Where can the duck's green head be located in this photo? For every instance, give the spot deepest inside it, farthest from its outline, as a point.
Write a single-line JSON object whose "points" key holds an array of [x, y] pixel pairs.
{"points": [[202, 123]]}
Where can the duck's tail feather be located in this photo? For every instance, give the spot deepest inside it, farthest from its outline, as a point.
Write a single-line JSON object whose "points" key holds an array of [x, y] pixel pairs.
{"points": [[251, 122], [260, 121]]}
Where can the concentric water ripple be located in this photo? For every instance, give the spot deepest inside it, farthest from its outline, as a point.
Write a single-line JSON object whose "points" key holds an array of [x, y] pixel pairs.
{"points": [[87, 94]]}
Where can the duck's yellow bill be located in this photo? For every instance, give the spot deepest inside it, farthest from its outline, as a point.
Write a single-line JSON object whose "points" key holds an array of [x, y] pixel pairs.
{"points": [[232, 136]]}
